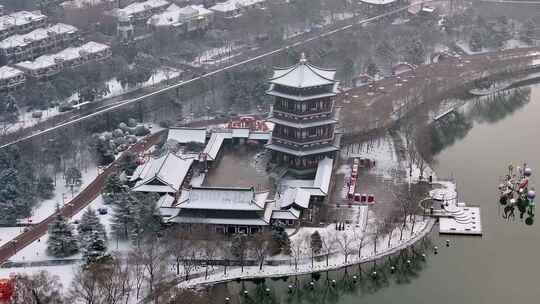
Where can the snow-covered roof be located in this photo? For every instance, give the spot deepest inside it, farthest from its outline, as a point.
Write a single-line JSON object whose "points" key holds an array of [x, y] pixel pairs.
{"points": [[139, 7], [185, 135], [240, 133], [303, 75], [37, 35], [289, 214], [67, 54], [214, 144], [217, 198], [7, 72], [378, 2], [324, 174], [175, 15], [168, 171], [83, 3], [166, 200], [296, 196], [204, 219], [41, 62], [260, 135], [19, 18], [231, 5]]}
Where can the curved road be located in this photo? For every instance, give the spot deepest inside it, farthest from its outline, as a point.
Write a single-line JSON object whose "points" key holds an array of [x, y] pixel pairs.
{"points": [[79, 202], [123, 103]]}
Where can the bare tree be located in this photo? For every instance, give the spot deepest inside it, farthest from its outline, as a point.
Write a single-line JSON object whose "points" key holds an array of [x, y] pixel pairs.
{"points": [[344, 243], [261, 246], [178, 241], [210, 247], [328, 242], [297, 250], [360, 237], [38, 288], [152, 257], [84, 287]]}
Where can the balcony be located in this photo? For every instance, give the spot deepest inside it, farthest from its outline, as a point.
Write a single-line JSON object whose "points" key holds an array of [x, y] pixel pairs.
{"points": [[307, 142], [302, 116]]}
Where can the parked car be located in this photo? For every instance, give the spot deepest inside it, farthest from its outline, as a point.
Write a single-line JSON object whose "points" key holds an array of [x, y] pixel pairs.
{"points": [[102, 211]]}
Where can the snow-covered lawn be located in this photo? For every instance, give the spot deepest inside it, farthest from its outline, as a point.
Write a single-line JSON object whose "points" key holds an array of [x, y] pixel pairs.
{"points": [[37, 251], [62, 195]]}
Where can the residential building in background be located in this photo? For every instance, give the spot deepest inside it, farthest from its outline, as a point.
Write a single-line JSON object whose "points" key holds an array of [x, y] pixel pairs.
{"points": [[20, 22], [40, 41], [10, 78], [48, 65]]}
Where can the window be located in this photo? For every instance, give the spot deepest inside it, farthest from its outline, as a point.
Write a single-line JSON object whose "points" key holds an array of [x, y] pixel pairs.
{"points": [[254, 230], [231, 230]]}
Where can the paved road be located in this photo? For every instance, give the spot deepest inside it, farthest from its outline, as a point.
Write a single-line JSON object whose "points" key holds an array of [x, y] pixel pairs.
{"points": [[123, 103], [79, 202], [366, 108]]}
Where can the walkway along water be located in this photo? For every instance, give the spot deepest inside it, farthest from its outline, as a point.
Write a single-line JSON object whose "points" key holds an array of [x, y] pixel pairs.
{"points": [[286, 269]]}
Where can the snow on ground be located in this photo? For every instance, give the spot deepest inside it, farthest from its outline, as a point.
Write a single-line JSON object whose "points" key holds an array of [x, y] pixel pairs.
{"points": [[62, 195], [336, 260], [65, 273], [26, 120], [381, 150], [37, 251], [216, 55], [8, 233]]}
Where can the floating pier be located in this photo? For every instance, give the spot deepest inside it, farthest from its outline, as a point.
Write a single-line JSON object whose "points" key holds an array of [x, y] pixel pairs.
{"points": [[454, 217]]}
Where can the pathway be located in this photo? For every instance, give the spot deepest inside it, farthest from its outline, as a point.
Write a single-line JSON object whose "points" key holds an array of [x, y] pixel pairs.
{"points": [[71, 208]]}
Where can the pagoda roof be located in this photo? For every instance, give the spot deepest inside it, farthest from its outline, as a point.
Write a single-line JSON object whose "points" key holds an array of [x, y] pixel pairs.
{"points": [[303, 75], [303, 152]]}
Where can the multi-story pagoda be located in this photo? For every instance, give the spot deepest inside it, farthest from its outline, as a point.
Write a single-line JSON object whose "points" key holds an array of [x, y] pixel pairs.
{"points": [[304, 116]]}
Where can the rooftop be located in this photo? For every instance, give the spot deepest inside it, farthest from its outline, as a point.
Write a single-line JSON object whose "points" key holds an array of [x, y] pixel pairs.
{"points": [[185, 135], [303, 75], [7, 72], [175, 15], [36, 35], [19, 18], [139, 7], [163, 174], [378, 2], [71, 53], [221, 198], [231, 5]]}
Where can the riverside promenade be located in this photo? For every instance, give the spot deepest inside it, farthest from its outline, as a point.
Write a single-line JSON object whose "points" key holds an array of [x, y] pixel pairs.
{"points": [[336, 260]]}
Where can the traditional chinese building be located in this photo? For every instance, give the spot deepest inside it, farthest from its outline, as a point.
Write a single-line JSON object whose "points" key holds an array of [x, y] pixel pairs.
{"points": [[304, 115]]}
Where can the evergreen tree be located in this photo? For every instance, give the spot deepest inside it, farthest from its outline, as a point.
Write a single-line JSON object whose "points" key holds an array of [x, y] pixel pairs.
{"points": [[281, 241], [89, 224], [316, 242], [73, 176], [145, 219], [476, 42], [45, 187], [62, 241], [94, 248], [415, 52], [123, 215], [371, 68], [112, 189]]}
